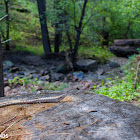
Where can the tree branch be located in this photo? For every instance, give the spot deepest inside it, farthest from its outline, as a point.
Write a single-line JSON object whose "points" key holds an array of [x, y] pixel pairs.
{"points": [[3, 17]]}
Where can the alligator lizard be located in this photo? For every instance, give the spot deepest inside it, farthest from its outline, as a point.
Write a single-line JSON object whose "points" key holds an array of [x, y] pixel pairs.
{"points": [[55, 99]]}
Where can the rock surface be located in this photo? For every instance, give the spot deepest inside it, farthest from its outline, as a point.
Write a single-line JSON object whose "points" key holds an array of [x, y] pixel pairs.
{"points": [[113, 64], [125, 47], [86, 117], [114, 120], [124, 51], [87, 64], [127, 42]]}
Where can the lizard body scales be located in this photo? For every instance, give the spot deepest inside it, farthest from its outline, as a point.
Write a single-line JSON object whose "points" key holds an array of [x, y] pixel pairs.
{"points": [[55, 99]]}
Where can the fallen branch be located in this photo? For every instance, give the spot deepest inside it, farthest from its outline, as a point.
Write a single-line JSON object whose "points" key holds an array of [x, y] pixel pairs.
{"points": [[9, 120], [94, 122], [6, 41], [137, 70], [8, 127], [3, 17]]}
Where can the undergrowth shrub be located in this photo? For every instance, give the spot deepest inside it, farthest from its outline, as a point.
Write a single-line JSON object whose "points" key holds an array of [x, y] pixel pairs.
{"points": [[27, 82], [98, 53], [123, 89]]}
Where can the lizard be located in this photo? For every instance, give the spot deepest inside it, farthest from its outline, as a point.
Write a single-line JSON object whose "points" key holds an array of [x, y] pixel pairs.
{"points": [[55, 99]]}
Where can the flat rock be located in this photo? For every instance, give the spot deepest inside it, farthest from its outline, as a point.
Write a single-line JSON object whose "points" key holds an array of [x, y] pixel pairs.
{"points": [[87, 64], [87, 117]]}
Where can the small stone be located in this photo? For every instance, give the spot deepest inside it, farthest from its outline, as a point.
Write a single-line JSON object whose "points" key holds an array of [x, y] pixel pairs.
{"points": [[8, 63], [6, 83], [41, 83], [101, 72], [42, 78], [79, 75], [58, 76], [44, 72], [47, 77], [35, 75], [7, 88], [20, 73]]}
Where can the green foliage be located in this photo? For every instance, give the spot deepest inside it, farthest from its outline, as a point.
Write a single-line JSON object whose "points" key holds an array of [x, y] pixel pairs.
{"points": [[122, 89], [98, 53], [26, 81], [120, 19], [55, 86], [130, 69], [35, 50]]}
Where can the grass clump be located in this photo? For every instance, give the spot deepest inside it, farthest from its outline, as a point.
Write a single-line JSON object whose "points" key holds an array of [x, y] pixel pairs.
{"points": [[56, 86], [31, 83], [35, 50], [98, 53], [24, 81], [123, 89]]}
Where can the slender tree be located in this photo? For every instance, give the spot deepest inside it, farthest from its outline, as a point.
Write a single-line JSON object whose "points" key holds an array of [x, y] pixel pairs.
{"points": [[44, 29], [78, 30], [7, 23], [58, 30], [1, 72]]}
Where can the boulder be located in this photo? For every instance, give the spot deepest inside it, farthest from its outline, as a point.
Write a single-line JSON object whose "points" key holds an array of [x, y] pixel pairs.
{"points": [[113, 64], [124, 51], [127, 42], [125, 47], [87, 64]]}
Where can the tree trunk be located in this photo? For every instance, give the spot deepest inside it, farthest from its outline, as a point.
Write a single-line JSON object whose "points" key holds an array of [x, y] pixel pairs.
{"points": [[1, 72], [44, 29], [58, 37], [68, 36], [104, 34], [78, 30], [58, 30], [7, 23]]}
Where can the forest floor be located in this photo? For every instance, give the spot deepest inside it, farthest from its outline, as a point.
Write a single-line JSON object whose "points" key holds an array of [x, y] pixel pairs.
{"points": [[81, 115], [30, 65]]}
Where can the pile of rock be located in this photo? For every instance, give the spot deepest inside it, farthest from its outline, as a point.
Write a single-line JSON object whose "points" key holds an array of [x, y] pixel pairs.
{"points": [[125, 47]]}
